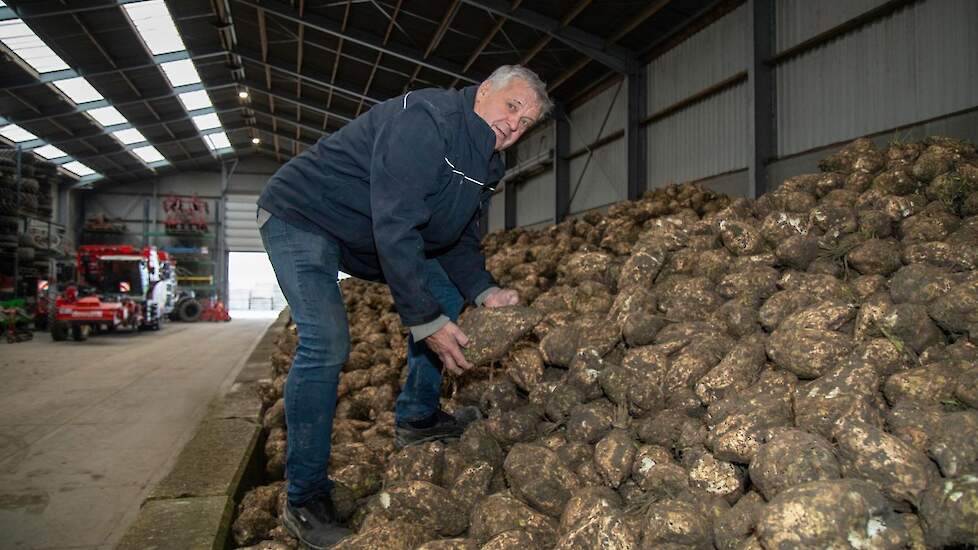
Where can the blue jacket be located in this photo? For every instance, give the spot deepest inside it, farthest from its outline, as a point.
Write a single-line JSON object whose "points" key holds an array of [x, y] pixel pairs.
{"points": [[404, 182]]}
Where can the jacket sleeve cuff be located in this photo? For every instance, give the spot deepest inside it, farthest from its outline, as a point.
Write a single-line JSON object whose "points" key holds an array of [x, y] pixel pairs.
{"points": [[482, 295], [420, 332]]}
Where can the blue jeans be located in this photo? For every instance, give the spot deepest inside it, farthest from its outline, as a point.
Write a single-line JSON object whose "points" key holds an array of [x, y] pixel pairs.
{"points": [[307, 266], [420, 395]]}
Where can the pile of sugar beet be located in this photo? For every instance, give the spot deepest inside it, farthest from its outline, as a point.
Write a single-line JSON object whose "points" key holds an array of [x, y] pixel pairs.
{"points": [[689, 371]]}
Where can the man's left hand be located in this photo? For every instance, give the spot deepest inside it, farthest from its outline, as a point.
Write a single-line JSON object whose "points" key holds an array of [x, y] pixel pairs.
{"points": [[501, 297]]}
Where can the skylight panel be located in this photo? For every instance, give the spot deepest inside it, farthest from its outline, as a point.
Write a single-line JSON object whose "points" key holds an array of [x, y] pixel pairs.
{"points": [[16, 134], [107, 116], [206, 122], [17, 36], [195, 100], [78, 89], [50, 152], [129, 135], [217, 141], [148, 154], [154, 24], [78, 168], [180, 73]]}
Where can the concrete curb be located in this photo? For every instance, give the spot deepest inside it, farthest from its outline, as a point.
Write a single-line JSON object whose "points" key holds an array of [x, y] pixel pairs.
{"points": [[193, 506]]}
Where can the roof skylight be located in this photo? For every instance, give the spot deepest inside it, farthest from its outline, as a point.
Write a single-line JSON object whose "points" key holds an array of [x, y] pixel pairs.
{"points": [[78, 168], [180, 73], [50, 152], [148, 154], [206, 122], [154, 24], [129, 135], [217, 141], [78, 89], [16, 134], [17, 36], [107, 116], [195, 100]]}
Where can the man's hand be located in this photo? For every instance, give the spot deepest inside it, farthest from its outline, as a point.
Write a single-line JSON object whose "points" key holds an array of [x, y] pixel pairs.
{"points": [[447, 342], [501, 297]]}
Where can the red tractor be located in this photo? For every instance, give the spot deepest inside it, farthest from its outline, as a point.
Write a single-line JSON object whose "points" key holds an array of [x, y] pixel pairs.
{"points": [[119, 286]]}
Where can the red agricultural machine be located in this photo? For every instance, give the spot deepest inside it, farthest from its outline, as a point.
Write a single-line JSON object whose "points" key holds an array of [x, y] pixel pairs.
{"points": [[119, 286]]}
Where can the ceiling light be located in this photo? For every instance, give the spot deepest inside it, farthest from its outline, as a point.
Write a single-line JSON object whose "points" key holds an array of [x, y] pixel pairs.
{"points": [[50, 152], [78, 89], [255, 140], [16, 134], [195, 100], [180, 73], [155, 25], [206, 122], [217, 141], [106, 116], [148, 154], [17, 36], [78, 168], [129, 136], [243, 94]]}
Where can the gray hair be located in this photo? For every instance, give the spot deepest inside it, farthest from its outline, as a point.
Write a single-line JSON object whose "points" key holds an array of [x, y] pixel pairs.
{"points": [[504, 73]]}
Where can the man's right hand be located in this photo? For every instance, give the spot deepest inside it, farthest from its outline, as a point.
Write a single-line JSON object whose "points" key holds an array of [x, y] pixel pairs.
{"points": [[447, 342]]}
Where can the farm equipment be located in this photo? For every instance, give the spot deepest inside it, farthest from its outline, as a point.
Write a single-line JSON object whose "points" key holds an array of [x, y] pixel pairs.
{"points": [[119, 287], [15, 321], [215, 311]]}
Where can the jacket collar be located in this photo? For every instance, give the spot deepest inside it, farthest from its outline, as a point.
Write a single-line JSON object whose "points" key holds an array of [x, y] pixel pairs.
{"points": [[479, 131]]}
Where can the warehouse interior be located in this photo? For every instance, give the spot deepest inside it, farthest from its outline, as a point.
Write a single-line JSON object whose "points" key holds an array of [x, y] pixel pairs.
{"points": [[761, 213]]}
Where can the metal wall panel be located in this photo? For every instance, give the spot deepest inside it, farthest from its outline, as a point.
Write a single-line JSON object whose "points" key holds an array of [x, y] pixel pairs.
{"points": [[917, 64], [535, 200], [586, 120], [539, 140], [707, 139], [497, 211], [710, 56], [602, 181], [799, 20], [240, 224]]}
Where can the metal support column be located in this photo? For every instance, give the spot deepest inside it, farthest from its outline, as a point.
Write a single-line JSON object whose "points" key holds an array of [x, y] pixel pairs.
{"points": [[146, 228], [561, 163], [18, 152], [760, 89], [509, 197], [637, 150]]}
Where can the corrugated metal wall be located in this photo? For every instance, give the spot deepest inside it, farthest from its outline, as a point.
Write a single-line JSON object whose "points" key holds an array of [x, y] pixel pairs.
{"points": [[539, 140], [497, 212], [535, 199], [241, 224], [600, 178], [600, 181], [919, 63], [798, 20], [710, 137], [712, 55], [587, 120], [706, 139]]}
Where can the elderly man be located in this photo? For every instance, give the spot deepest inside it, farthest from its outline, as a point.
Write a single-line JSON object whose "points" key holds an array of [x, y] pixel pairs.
{"points": [[397, 195]]}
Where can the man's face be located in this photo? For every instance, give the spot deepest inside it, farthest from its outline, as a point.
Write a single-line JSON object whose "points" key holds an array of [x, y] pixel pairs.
{"points": [[509, 110]]}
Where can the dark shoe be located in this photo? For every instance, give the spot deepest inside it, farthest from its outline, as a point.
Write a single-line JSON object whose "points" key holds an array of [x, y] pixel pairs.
{"points": [[314, 523], [442, 427]]}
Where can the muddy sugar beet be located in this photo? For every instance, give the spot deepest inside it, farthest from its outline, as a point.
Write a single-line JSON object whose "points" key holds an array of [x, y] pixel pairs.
{"points": [[687, 370]]}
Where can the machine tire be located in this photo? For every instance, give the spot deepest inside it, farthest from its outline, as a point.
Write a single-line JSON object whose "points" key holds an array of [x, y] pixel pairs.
{"points": [[59, 331], [189, 310], [79, 332]]}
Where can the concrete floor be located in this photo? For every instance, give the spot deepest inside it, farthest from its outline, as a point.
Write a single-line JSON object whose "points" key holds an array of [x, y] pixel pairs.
{"points": [[87, 429]]}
